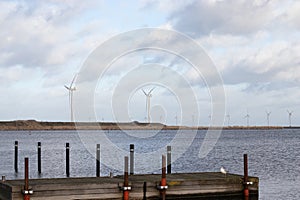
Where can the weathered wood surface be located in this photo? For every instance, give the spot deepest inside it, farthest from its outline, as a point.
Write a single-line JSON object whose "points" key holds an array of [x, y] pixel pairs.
{"points": [[180, 185]]}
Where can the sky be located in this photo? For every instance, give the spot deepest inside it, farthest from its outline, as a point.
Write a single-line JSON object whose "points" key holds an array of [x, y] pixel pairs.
{"points": [[254, 45]]}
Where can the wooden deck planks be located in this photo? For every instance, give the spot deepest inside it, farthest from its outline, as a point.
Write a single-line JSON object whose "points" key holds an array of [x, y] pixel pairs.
{"points": [[209, 183]]}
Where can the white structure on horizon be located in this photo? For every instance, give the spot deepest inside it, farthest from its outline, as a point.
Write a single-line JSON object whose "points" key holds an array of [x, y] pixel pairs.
{"points": [[268, 117], [290, 117], [71, 89], [148, 97], [248, 117], [228, 120]]}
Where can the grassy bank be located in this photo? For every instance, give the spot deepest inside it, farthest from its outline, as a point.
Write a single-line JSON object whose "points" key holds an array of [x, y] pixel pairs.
{"points": [[40, 125]]}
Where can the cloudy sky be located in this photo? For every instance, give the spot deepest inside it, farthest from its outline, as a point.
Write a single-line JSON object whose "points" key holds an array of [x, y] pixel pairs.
{"points": [[254, 45]]}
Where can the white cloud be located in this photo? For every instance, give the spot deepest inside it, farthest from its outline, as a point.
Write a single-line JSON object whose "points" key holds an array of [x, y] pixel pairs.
{"points": [[41, 34], [290, 17], [253, 43], [166, 6], [222, 17]]}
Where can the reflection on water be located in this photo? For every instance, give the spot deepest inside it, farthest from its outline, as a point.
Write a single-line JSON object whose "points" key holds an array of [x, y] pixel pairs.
{"points": [[274, 155]]}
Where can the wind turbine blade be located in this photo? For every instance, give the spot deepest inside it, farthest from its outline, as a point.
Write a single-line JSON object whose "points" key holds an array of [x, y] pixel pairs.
{"points": [[144, 92], [151, 90], [74, 78], [67, 87]]}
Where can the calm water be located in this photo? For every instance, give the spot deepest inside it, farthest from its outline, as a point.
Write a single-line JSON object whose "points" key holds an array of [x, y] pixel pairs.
{"points": [[274, 155]]}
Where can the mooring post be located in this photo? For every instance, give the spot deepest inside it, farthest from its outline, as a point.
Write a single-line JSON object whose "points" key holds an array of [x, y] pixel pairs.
{"points": [[145, 191], [163, 183], [98, 160], [246, 190], [39, 157], [169, 160], [26, 187], [16, 156], [26, 191], [126, 182], [67, 159], [131, 159]]}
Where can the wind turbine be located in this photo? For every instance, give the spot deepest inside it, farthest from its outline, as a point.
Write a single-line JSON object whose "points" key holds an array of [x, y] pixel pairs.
{"points": [[290, 117], [247, 116], [268, 117], [193, 120], [148, 97], [71, 89], [176, 119], [228, 119]]}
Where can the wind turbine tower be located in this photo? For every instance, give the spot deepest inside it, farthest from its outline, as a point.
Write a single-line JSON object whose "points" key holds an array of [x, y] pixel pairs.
{"points": [[228, 120], [148, 97], [247, 116], [193, 120], [290, 116], [268, 117], [71, 89]]}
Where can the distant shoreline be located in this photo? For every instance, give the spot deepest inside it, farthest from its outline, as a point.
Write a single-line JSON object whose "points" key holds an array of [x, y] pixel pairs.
{"points": [[39, 125]]}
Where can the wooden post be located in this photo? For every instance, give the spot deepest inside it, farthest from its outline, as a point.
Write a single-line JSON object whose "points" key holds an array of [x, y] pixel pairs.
{"points": [[145, 191], [163, 182], [131, 159], [26, 191], [39, 157], [16, 156], [246, 190], [98, 160], [126, 182], [68, 159], [169, 160], [26, 186]]}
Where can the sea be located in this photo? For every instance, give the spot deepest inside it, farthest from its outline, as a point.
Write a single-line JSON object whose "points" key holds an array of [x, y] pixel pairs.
{"points": [[273, 155]]}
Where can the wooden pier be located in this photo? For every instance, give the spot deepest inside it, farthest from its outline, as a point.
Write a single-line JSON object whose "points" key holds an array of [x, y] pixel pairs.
{"points": [[204, 185]]}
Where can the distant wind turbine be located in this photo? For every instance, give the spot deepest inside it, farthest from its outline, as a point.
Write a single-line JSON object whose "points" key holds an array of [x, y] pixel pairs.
{"points": [[71, 89], [290, 116], [193, 120], [268, 117], [228, 120], [176, 119], [148, 97], [247, 116]]}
